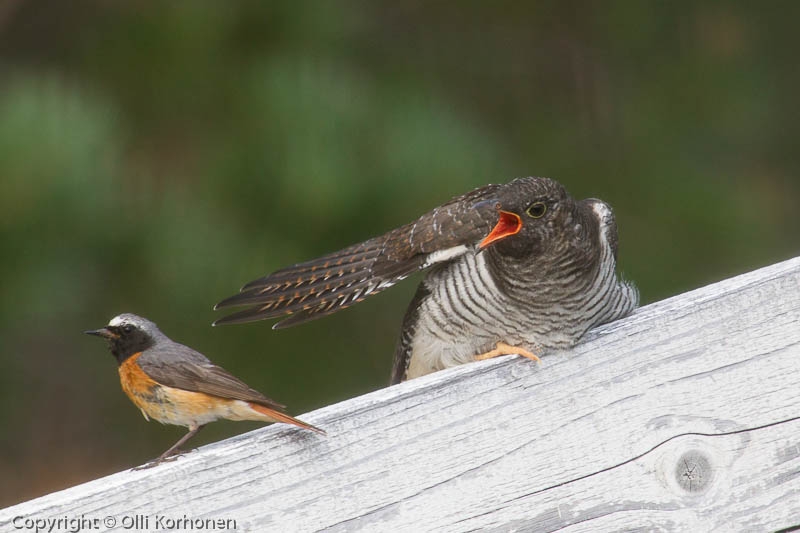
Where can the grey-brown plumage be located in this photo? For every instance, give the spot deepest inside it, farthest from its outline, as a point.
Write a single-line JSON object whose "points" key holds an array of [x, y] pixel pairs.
{"points": [[175, 384], [521, 263]]}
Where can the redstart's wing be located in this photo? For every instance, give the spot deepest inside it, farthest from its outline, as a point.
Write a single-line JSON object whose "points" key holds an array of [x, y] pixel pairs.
{"points": [[175, 367]]}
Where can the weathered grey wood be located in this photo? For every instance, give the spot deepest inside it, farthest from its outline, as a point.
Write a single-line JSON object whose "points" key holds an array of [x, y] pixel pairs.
{"points": [[682, 417]]}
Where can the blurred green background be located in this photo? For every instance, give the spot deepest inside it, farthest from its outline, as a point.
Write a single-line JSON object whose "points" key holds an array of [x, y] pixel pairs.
{"points": [[156, 156]]}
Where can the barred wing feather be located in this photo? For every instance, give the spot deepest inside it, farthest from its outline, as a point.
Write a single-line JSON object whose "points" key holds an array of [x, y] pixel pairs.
{"points": [[338, 280]]}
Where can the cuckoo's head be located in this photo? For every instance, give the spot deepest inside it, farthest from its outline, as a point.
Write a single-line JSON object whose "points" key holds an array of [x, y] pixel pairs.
{"points": [[537, 217]]}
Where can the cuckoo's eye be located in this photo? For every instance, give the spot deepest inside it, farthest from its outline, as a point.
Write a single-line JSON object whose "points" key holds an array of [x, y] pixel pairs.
{"points": [[536, 210], [127, 328]]}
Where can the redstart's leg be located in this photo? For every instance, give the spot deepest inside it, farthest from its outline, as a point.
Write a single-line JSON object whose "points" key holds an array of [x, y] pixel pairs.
{"points": [[173, 451]]}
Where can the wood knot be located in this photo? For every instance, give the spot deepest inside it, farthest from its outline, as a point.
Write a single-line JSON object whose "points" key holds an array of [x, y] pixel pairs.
{"points": [[693, 471]]}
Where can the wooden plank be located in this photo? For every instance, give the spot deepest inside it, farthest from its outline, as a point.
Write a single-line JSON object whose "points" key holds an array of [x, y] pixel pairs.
{"points": [[683, 417]]}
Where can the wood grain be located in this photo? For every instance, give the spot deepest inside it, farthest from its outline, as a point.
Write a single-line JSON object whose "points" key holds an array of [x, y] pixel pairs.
{"points": [[684, 416]]}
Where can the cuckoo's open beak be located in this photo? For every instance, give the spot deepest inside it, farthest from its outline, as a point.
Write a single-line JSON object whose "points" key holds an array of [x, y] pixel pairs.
{"points": [[509, 224]]}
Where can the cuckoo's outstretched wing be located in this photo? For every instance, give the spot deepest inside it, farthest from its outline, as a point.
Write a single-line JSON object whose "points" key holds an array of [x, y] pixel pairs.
{"points": [[322, 286]]}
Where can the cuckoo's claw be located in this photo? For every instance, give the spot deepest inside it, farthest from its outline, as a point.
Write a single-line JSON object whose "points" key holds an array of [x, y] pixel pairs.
{"points": [[501, 348]]}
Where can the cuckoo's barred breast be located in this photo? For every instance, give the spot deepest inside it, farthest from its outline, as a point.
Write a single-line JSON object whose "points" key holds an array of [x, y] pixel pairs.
{"points": [[522, 263], [482, 299]]}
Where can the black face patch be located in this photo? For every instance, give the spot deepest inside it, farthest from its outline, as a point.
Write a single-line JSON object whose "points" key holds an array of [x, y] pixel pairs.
{"points": [[130, 340]]}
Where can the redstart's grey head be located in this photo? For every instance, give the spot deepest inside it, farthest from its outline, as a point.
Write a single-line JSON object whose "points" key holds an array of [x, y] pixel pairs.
{"points": [[127, 335]]}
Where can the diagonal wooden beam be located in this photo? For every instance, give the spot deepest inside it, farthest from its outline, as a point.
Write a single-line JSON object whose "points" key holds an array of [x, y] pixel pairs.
{"points": [[681, 417]]}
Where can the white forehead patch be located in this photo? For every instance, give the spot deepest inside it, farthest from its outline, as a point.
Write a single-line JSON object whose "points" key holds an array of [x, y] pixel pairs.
{"points": [[137, 322], [134, 320], [117, 321]]}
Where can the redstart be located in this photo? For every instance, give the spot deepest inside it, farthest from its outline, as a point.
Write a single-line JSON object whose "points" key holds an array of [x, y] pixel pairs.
{"points": [[177, 385]]}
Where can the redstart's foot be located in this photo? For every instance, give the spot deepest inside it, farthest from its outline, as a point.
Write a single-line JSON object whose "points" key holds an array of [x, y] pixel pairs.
{"points": [[501, 348], [166, 458], [157, 462]]}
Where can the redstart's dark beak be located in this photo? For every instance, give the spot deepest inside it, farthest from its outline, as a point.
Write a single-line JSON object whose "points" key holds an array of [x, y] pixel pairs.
{"points": [[102, 332]]}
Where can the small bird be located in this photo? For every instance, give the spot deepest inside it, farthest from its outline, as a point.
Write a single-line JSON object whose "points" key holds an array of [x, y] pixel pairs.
{"points": [[512, 269], [174, 384]]}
